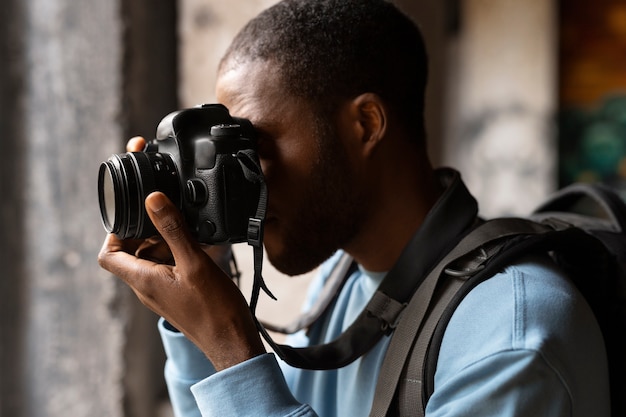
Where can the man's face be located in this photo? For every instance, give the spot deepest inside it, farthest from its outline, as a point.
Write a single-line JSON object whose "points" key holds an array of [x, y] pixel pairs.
{"points": [[314, 204]]}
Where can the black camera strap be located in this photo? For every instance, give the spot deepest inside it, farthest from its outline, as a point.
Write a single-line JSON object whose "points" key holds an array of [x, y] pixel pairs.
{"points": [[253, 173], [449, 220]]}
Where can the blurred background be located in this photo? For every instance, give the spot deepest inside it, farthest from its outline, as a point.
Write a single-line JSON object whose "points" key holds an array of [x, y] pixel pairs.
{"points": [[524, 97]]}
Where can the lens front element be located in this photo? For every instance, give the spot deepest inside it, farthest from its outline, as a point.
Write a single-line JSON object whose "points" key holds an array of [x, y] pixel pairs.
{"points": [[107, 197], [124, 182]]}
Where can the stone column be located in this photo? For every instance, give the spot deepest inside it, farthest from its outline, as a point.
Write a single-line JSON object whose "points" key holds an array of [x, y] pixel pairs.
{"points": [[62, 331], [67, 101]]}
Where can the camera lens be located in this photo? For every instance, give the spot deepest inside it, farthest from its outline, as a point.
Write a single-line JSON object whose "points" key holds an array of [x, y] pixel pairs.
{"points": [[124, 182], [107, 199]]}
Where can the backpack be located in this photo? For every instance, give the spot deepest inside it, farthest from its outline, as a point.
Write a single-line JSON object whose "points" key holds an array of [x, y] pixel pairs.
{"points": [[582, 227]]}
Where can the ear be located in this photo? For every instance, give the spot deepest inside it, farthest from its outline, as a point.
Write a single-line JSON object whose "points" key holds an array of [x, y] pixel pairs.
{"points": [[371, 116]]}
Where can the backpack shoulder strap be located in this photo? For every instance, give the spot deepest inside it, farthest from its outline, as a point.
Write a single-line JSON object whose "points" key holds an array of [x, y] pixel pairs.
{"points": [[588, 206], [601, 212], [523, 236], [566, 218], [420, 316]]}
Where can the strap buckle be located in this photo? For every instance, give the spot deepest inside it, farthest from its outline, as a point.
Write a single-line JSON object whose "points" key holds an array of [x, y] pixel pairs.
{"points": [[255, 232], [387, 310]]}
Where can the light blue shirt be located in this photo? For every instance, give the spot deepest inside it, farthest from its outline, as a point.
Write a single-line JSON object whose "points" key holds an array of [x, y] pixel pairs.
{"points": [[523, 343]]}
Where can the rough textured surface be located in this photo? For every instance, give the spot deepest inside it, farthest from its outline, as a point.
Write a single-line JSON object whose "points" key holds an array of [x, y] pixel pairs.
{"points": [[70, 95], [74, 330], [62, 339]]}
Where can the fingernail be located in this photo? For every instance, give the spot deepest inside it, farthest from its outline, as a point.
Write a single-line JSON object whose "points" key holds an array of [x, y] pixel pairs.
{"points": [[135, 144], [156, 201]]}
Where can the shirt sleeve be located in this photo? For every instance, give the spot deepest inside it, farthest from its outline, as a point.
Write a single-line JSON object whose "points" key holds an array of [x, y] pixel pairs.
{"points": [[532, 349], [253, 388], [505, 384], [185, 366]]}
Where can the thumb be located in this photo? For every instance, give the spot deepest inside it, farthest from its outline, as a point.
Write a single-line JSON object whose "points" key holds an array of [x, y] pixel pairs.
{"points": [[170, 224]]}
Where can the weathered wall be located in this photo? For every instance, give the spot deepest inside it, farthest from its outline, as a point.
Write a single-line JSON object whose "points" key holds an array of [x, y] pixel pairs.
{"points": [[68, 99], [63, 339], [501, 102]]}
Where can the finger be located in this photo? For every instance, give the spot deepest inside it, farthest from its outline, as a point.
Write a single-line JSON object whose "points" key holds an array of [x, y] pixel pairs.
{"points": [[135, 272], [114, 244], [170, 224], [155, 249], [136, 144]]}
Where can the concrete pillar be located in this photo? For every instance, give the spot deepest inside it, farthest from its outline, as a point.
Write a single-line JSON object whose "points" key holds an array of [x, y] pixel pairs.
{"points": [[64, 333], [68, 100], [501, 102]]}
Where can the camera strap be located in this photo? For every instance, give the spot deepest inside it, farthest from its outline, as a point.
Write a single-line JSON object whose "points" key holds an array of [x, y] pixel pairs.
{"points": [[449, 220], [253, 173]]}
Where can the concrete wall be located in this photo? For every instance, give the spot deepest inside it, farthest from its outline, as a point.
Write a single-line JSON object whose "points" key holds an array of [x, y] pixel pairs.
{"points": [[501, 102], [70, 94], [62, 340]]}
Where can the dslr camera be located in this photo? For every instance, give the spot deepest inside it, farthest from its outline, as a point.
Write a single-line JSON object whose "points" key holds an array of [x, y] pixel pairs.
{"points": [[205, 161]]}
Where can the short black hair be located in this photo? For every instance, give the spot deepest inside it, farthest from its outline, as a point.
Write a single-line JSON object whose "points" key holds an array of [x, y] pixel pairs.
{"points": [[328, 50]]}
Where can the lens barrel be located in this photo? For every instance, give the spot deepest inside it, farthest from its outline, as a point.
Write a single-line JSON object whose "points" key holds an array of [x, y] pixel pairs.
{"points": [[124, 182]]}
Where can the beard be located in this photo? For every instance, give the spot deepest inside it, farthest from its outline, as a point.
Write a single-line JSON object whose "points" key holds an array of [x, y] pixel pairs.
{"points": [[331, 210]]}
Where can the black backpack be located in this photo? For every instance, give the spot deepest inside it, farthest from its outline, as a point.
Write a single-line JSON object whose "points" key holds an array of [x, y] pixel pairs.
{"points": [[582, 226]]}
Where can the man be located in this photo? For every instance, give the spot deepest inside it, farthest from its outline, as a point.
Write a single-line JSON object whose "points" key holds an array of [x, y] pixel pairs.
{"points": [[335, 91]]}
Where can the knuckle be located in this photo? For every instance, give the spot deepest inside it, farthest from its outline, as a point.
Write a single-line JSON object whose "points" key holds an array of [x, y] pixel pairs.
{"points": [[101, 260]]}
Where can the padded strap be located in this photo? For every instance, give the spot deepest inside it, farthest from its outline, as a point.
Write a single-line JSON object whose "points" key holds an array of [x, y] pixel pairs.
{"points": [[594, 201], [421, 304]]}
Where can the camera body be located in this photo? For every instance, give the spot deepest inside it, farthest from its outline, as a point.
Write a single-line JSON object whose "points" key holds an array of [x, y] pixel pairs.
{"points": [[204, 160]]}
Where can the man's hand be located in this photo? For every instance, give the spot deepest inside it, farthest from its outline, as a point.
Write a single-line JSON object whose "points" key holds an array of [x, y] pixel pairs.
{"points": [[183, 284]]}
